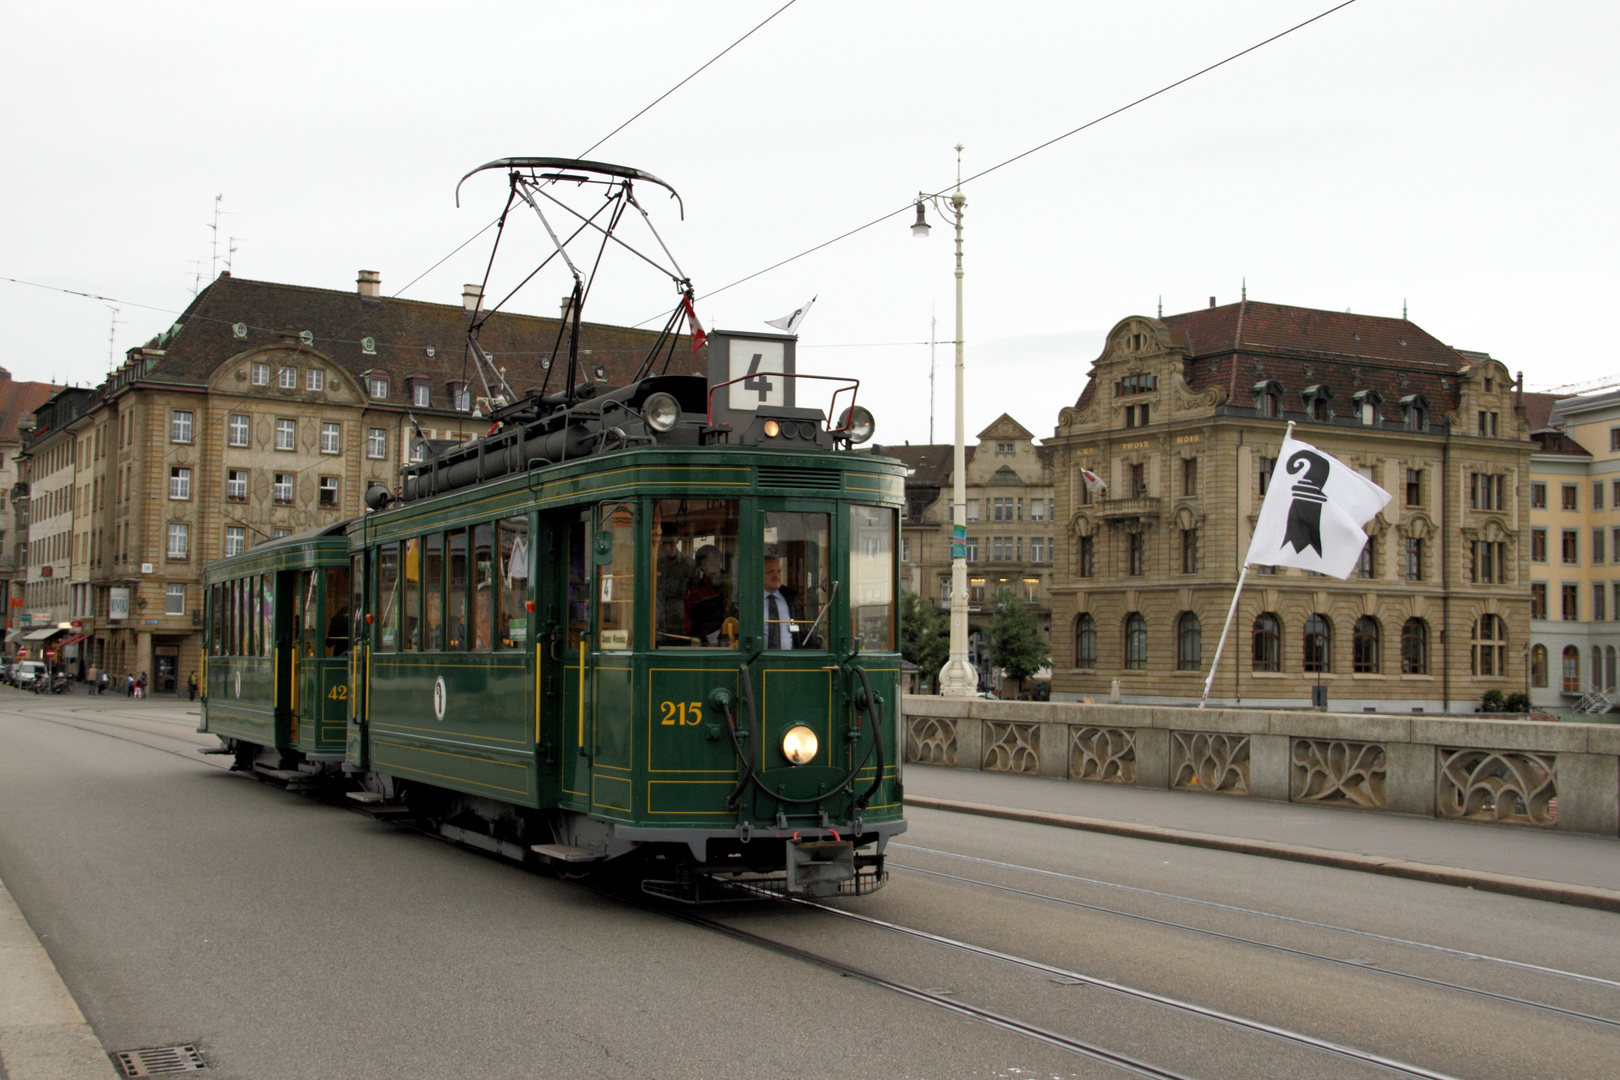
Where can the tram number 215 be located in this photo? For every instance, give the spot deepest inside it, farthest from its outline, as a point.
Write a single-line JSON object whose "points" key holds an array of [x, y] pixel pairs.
{"points": [[681, 713]]}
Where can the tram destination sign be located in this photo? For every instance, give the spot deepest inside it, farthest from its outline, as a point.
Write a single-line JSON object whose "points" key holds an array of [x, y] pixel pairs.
{"points": [[759, 368]]}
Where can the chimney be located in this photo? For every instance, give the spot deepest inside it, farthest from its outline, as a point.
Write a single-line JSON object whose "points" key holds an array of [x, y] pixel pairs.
{"points": [[1212, 301], [567, 305], [369, 283], [471, 296]]}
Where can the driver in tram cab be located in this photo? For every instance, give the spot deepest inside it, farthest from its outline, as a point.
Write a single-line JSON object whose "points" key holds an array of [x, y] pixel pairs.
{"points": [[783, 610], [337, 633]]}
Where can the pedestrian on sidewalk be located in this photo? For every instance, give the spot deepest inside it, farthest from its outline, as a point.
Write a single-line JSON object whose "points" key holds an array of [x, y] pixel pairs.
{"points": [[191, 686], [101, 685], [129, 685], [140, 686]]}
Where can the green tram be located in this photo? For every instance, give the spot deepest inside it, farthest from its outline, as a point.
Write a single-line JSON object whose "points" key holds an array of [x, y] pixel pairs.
{"points": [[677, 655]]}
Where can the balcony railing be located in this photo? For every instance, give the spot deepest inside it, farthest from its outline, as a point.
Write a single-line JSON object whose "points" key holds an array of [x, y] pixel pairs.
{"points": [[1138, 506]]}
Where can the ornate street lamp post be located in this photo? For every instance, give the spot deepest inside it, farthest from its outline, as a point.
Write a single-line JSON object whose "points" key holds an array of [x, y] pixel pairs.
{"points": [[958, 678]]}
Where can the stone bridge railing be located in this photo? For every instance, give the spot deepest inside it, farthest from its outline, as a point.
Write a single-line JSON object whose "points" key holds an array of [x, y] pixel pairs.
{"points": [[1516, 772]]}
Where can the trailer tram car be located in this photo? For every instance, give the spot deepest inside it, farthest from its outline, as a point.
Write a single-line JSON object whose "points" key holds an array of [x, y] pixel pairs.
{"points": [[649, 626]]}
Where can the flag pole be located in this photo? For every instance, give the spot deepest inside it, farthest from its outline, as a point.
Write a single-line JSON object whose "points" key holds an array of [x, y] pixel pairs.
{"points": [[1231, 611]]}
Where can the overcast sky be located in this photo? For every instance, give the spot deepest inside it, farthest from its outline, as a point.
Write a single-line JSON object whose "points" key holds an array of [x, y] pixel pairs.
{"points": [[1458, 156]]}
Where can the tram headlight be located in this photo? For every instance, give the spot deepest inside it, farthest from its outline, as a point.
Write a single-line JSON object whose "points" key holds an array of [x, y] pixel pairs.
{"points": [[799, 745], [661, 411], [857, 424]]}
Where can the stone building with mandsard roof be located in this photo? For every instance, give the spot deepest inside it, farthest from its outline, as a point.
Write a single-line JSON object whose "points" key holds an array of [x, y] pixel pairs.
{"points": [[1182, 418]]}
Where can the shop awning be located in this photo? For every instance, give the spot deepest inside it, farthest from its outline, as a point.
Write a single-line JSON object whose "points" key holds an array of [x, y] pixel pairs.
{"points": [[41, 635], [15, 635], [74, 640]]}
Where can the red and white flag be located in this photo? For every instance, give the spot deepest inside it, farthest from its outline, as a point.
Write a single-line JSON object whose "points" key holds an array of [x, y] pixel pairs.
{"points": [[699, 335], [1094, 484]]}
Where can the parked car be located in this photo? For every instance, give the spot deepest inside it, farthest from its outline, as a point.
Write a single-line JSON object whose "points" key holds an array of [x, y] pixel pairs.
{"points": [[26, 672]]}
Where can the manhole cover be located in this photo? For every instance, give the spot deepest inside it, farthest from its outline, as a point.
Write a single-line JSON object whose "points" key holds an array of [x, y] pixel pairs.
{"points": [[159, 1061]]}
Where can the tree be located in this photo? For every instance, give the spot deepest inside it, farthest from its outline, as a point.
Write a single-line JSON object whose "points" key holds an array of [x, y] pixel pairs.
{"points": [[925, 636], [1016, 647]]}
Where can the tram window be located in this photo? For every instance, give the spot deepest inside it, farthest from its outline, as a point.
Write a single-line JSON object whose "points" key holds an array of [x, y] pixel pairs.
{"points": [[357, 601], [512, 590], [337, 612], [230, 633], [695, 570], [267, 615], [616, 581], [216, 608], [483, 586], [871, 577], [433, 591], [456, 589], [579, 582], [387, 602], [797, 589], [308, 614], [239, 618], [252, 620], [410, 608]]}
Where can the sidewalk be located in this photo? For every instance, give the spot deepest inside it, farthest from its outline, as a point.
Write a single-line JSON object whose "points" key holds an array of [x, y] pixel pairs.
{"points": [[1562, 867], [43, 1036]]}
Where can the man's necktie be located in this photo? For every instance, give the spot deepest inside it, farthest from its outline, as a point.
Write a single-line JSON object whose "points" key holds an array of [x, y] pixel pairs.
{"points": [[774, 638]]}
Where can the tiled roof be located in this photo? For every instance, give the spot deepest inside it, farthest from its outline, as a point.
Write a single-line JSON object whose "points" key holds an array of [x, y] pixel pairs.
{"points": [[401, 330], [17, 400], [1538, 408], [931, 462]]}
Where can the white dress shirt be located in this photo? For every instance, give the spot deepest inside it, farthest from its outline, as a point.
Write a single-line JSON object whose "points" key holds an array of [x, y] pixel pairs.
{"points": [[782, 624]]}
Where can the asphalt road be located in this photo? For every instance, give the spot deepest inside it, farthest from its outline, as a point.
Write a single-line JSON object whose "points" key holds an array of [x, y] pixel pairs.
{"points": [[289, 938]]}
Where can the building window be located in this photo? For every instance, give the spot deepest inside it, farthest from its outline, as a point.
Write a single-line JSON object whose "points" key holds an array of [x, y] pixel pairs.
{"points": [[261, 374], [1267, 467], [1570, 596], [379, 386], [283, 491], [1364, 564], [1416, 414], [1597, 547], [1414, 559], [1538, 495], [277, 534], [1038, 549], [421, 394], [1600, 594], [1189, 642], [179, 540], [1269, 403], [461, 397], [1608, 667], [1487, 424], [418, 452], [314, 379], [174, 599], [1085, 641], [288, 378], [1538, 665], [1189, 476], [1572, 670], [1597, 494], [1364, 646], [235, 540], [976, 590], [1004, 447], [1572, 548], [1318, 644], [1137, 479], [1488, 559], [1267, 643], [331, 438], [286, 434], [1037, 509], [238, 430], [1032, 589], [179, 483], [1615, 585], [1135, 642], [1572, 497], [1490, 646], [1538, 599], [180, 426], [1487, 491], [1001, 509], [1189, 551], [1414, 647], [1137, 554], [1414, 487], [972, 546], [945, 591], [377, 443], [1088, 556], [972, 510], [1538, 545], [329, 491], [236, 485]]}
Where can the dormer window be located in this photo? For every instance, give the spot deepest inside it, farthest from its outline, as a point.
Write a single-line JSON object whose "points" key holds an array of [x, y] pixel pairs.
{"points": [[1366, 404], [1316, 400], [1138, 384], [460, 396], [1415, 412], [420, 391], [1268, 398], [377, 385]]}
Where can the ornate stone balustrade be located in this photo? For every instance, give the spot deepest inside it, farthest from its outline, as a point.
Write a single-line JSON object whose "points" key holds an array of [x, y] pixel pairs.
{"points": [[1537, 775]]}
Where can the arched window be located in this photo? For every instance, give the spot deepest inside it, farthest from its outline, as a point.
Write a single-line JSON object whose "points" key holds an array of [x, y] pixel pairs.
{"points": [[1267, 643], [1135, 641], [1608, 668], [1414, 647], [1189, 642], [1490, 646], [1085, 641], [1318, 644], [1364, 646], [1597, 668], [1538, 665], [1572, 670]]}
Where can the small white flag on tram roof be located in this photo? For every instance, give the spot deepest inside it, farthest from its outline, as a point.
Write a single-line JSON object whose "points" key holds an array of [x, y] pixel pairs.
{"points": [[789, 323], [1313, 512], [1094, 483]]}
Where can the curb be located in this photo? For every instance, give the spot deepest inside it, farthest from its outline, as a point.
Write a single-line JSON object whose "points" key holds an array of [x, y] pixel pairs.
{"points": [[1589, 896], [43, 1035]]}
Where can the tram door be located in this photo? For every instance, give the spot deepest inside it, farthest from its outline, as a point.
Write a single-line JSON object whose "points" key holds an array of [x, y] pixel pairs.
{"points": [[562, 610], [359, 659]]}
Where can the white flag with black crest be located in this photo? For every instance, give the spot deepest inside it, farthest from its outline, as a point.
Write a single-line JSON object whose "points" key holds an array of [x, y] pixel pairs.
{"points": [[1313, 512]]}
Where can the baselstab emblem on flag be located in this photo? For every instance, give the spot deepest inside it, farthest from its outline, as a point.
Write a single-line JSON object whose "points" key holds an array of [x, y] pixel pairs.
{"points": [[789, 323], [1313, 512], [699, 336], [1094, 483]]}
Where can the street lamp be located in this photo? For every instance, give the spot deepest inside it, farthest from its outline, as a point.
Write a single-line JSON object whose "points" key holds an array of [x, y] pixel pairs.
{"points": [[957, 678]]}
